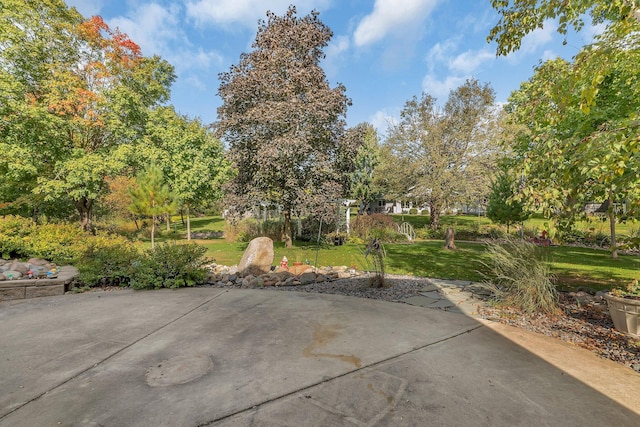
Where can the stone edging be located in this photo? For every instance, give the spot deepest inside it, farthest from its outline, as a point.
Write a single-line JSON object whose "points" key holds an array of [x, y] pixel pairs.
{"points": [[31, 288]]}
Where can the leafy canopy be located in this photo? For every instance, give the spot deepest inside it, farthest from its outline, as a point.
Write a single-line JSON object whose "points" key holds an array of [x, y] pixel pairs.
{"points": [[282, 121]]}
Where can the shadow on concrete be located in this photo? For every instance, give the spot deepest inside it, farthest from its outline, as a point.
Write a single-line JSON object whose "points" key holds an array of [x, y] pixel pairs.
{"points": [[206, 356]]}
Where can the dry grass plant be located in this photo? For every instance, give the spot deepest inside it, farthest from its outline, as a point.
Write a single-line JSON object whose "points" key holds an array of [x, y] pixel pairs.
{"points": [[520, 276]]}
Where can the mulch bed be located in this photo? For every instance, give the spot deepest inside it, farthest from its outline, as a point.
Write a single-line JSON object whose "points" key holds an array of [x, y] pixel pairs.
{"points": [[586, 325]]}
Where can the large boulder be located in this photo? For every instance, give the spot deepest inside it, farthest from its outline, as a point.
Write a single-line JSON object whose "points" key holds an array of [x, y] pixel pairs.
{"points": [[258, 257]]}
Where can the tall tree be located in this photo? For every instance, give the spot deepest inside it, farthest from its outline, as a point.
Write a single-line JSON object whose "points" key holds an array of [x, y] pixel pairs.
{"points": [[151, 197], [572, 153], [281, 119], [191, 158], [362, 185], [79, 93], [438, 154]]}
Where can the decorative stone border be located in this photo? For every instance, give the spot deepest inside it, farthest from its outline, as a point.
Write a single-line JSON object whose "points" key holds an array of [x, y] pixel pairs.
{"points": [[32, 288]]}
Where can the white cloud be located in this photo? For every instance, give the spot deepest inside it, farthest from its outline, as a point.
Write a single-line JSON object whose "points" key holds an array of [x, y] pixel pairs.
{"points": [[533, 42], [381, 120], [392, 17], [441, 52], [87, 7], [157, 30], [469, 61], [151, 26], [548, 54], [441, 88], [538, 37], [242, 12], [339, 45], [334, 54]]}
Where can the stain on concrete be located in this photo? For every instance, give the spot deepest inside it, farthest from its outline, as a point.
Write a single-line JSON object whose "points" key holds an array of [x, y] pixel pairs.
{"points": [[178, 370], [322, 335]]}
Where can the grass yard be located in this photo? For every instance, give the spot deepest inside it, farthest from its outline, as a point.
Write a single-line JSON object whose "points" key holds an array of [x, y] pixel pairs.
{"points": [[574, 266]]}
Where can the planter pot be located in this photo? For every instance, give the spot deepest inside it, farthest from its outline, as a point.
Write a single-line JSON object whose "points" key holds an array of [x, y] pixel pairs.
{"points": [[297, 264], [625, 314]]}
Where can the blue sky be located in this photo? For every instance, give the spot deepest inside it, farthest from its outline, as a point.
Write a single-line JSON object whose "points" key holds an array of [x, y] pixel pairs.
{"points": [[383, 51]]}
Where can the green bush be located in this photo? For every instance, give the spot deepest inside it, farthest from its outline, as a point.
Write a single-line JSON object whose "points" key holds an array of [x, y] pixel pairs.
{"points": [[61, 243], [21, 238], [413, 211], [363, 225], [107, 260], [387, 235], [13, 229], [169, 266], [520, 276], [427, 233]]}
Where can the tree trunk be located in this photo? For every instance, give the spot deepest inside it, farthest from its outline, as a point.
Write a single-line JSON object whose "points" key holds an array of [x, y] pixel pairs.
{"points": [[188, 223], [612, 226], [449, 239], [168, 222], [35, 215], [288, 241], [84, 207], [153, 231], [434, 215]]}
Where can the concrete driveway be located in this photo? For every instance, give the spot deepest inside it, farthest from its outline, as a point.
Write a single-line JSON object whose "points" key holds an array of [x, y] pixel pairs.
{"points": [[209, 357]]}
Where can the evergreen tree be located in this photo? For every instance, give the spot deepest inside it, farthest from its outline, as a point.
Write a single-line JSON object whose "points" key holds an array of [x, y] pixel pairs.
{"points": [[151, 197], [502, 208]]}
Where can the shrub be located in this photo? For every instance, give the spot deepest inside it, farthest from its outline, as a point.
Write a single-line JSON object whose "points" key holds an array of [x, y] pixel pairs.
{"points": [[362, 225], [387, 235], [413, 211], [22, 238], [61, 243], [426, 233], [107, 260], [520, 276], [374, 255], [13, 229], [169, 266]]}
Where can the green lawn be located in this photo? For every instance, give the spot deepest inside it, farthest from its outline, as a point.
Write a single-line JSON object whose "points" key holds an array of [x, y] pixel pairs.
{"points": [[574, 266]]}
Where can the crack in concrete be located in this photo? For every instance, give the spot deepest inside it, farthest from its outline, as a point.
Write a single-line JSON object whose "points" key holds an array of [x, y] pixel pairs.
{"points": [[33, 399], [371, 365]]}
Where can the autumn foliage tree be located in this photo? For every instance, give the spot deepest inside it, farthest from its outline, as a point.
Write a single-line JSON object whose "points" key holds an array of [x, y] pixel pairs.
{"points": [[282, 121], [80, 92]]}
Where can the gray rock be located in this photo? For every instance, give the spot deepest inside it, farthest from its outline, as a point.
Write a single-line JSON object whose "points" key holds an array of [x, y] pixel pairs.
{"points": [[12, 274], [256, 282], [587, 289], [258, 257], [307, 278]]}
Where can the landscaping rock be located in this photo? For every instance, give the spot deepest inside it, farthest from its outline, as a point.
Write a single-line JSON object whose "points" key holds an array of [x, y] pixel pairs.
{"points": [[12, 275], [256, 282], [307, 278], [300, 269], [21, 267], [258, 257], [38, 262]]}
